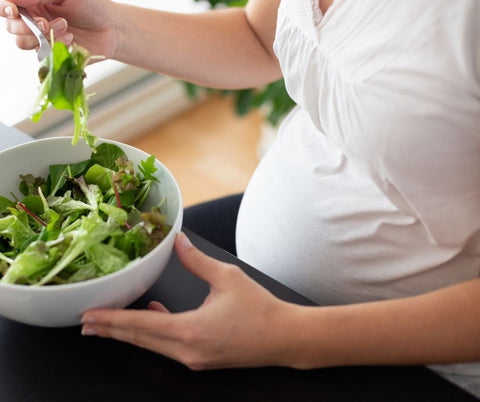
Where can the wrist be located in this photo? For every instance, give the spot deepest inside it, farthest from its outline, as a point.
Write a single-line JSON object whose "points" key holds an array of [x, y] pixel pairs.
{"points": [[295, 345], [119, 29], [318, 337]]}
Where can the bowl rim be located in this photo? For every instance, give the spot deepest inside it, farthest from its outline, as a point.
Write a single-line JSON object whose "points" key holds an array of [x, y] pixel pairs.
{"points": [[132, 264]]}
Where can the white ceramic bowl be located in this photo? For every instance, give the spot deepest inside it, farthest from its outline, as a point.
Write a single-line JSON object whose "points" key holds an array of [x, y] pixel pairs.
{"points": [[62, 305]]}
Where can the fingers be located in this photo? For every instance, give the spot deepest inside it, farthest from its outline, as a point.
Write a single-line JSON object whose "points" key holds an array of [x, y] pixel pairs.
{"points": [[24, 37], [198, 263], [17, 27], [8, 9], [59, 27], [121, 325], [157, 306], [151, 330]]}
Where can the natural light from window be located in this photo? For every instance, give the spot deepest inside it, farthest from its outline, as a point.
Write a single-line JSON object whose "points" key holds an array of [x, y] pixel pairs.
{"points": [[18, 69]]}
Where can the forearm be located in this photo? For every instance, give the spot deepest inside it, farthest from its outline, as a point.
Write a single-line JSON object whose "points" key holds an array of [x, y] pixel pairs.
{"points": [[438, 327], [217, 48]]}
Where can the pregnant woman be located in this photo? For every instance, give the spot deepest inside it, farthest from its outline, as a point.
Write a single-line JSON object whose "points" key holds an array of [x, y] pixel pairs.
{"points": [[368, 202]]}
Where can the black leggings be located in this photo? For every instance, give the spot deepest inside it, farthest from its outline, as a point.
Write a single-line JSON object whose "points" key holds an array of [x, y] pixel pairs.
{"points": [[215, 221]]}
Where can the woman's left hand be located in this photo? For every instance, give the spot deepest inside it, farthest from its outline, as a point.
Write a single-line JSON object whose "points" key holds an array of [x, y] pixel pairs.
{"points": [[239, 324]]}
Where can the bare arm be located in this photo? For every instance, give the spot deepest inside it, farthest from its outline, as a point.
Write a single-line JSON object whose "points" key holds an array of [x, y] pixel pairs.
{"points": [[229, 48], [438, 327]]}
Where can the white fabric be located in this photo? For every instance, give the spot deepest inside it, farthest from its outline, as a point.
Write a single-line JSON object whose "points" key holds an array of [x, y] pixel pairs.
{"points": [[372, 187]]}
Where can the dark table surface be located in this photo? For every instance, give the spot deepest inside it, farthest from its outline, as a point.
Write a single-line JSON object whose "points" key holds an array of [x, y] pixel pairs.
{"points": [[58, 364]]}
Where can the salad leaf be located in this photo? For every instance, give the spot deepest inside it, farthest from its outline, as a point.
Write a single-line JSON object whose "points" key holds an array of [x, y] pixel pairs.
{"points": [[87, 226], [91, 231], [61, 76], [35, 259], [148, 168], [82, 271], [16, 230], [106, 155], [99, 175], [67, 205], [125, 178], [119, 215], [135, 243], [30, 184], [107, 258], [33, 203], [92, 192], [59, 174], [5, 203]]}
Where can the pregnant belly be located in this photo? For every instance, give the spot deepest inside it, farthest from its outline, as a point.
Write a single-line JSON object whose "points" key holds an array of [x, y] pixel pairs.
{"points": [[325, 230]]}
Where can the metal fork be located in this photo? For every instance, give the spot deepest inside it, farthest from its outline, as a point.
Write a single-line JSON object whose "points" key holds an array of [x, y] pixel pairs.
{"points": [[44, 49]]}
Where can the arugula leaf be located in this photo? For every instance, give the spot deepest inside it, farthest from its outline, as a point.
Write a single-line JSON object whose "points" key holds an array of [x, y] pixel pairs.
{"points": [[148, 168]]}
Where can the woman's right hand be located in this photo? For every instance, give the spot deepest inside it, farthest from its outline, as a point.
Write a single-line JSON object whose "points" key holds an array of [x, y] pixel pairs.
{"points": [[86, 22], [228, 49]]}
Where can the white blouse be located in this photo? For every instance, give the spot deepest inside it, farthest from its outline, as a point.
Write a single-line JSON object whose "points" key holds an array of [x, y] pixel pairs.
{"points": [[371, 189]]}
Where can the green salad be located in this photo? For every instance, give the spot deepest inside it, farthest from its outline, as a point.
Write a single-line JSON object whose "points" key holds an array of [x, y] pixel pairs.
{"points": [[81, 222], [61, 85]]}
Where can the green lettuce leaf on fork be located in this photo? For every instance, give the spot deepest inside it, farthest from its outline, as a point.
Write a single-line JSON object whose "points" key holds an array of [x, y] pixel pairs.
{"points": [[61, 77]]}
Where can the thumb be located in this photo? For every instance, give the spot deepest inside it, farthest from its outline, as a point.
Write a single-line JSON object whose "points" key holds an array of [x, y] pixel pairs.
{"points": [[198, 263]]}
